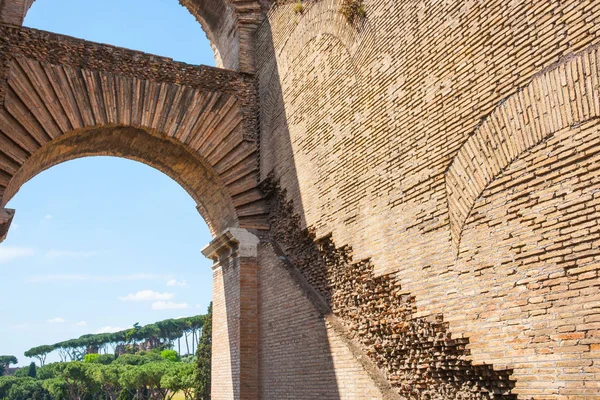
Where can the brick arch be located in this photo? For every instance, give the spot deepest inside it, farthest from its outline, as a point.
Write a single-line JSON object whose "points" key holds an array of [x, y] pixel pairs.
{"points": [[228, 24], [58, 85], [194, 174], [564, 95], [527, 253]]}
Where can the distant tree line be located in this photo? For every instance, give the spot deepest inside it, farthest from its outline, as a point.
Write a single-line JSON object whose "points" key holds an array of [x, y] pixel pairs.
{"points": [[159, 373], [154, 375], [162, 334]]}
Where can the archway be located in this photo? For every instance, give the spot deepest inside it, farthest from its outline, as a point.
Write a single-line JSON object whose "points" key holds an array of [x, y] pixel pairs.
{"points": [[108, 124], [210, 168], [59, 85], [229, 25], [110, 242], [162, 153], [67, 98]]}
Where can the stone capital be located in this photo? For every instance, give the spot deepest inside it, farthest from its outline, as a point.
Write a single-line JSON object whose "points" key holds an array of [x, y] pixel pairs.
{"points": [[232, 240], [6, 217]]}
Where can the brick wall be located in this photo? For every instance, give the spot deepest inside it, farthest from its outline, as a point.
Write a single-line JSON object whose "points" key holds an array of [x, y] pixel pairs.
{"points": [[532, 242], [444, 152], [417, 356], [226, 340], [13, 11], [360, 125], [221, 378], [301, 357]]}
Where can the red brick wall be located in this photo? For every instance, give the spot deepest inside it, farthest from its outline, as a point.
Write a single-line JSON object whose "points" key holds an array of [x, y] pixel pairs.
{"points": [[225, 345], [533, 243], [301, 357], [360, 124], [249, 334]]}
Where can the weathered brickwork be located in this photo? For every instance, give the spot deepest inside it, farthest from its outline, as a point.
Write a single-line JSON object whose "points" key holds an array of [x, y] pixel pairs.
{"points": [[225, 357], [235, 369], [562, 96], [532, 242], [301, 355], [217, 19], [445, 153], [13, 12], [59, 85], [419, 356], [390, 135]]}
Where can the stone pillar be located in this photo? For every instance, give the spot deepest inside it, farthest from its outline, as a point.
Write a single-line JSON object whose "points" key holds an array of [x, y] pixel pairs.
{"points": [[6, 217], [235, 315]]}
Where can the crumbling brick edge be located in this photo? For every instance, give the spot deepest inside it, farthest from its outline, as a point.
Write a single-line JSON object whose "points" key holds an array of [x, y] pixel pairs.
{"points": [[376, 317], [335, 324]]}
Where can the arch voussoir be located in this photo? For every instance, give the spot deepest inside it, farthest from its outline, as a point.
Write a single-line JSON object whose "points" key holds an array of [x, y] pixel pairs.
{"points": [[66, 98]]}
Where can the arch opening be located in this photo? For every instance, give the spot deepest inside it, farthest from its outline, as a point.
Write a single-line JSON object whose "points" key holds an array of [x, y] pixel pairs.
{"points": [[218, 19], [110, 242], [143, 145], [156, 27]]}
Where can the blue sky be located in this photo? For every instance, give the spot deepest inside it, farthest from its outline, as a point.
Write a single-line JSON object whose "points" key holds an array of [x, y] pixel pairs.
{"points": [[101, 243]]}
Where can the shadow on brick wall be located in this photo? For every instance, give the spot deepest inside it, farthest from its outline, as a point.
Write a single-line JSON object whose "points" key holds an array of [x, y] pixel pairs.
{"points": [[296, 359], [416, 356]]}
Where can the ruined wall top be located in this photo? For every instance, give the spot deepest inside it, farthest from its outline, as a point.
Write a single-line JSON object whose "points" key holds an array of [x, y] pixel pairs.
{"points": [[229, 26]]}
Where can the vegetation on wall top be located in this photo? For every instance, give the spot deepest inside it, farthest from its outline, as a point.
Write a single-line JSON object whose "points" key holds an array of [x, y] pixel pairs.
{"points": [[353, 10]]}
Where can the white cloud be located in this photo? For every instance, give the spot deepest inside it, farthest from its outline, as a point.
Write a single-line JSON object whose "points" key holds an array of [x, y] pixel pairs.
{"points": [[10, 253], [14, 227], [19, 326], [92, 278], [81, 323], [169, 305], [147, 295], [70, 254], [48, 216], [175, 282], [57, 320], [110, 329]]}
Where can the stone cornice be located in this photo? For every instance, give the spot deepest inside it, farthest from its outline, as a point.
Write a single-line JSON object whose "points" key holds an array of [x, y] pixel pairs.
{"points": [[232, 240]]}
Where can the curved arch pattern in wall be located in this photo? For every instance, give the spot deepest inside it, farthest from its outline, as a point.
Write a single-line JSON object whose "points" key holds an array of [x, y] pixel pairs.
{"points": [[528, 266], [319, 18], [294, 89], [562, 96], [57, 85], [155, 150], [279, 57]]}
